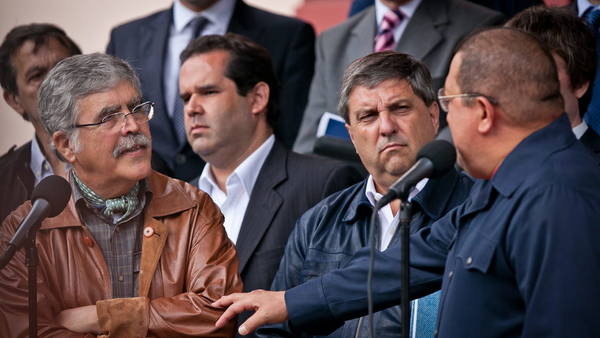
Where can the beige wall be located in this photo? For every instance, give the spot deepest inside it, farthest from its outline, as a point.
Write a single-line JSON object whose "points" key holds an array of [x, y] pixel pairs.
{"points": [[88, 22]]}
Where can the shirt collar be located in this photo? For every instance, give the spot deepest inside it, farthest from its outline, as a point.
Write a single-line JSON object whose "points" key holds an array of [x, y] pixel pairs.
{"points": [[247, 171], [582, 7], [529, 155], [408, 9], [221, 11], [39, 165], [580, 129], [373, 196]]}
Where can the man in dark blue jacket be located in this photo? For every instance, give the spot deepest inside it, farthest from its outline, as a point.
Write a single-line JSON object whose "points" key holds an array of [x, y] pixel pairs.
{"points": [[390, 108], [519, 255]]}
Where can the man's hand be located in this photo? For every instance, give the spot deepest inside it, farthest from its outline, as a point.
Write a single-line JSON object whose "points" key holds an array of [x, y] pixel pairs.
{"points": [[269, 307], [82, 319]]}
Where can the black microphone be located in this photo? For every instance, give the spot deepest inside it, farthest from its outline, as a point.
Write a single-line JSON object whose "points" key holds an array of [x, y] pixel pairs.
{"points": [[433, 160], [49, 198]]}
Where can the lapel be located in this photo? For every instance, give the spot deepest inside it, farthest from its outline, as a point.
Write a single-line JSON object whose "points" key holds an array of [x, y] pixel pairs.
{"points": [[241, 22], [154, 38], [264, 203], [421, 33], [363, 35], [152, 248]]}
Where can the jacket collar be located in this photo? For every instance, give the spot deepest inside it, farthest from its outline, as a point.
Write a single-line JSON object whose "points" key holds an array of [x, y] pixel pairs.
{"points": [[529, 155], [168, 198], [433, 199]]}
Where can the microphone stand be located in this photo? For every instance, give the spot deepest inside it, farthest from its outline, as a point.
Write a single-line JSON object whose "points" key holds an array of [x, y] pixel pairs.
{"points": [[32, 260], [405, 218]]}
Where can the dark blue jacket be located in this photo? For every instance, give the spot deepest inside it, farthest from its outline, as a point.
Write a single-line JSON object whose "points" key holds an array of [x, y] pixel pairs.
{"points": [[521, 255], [328, 235]]}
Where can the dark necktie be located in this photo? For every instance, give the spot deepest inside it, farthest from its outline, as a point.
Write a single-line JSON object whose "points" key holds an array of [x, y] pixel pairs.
{"points": [[197, 24], [592, 116]]}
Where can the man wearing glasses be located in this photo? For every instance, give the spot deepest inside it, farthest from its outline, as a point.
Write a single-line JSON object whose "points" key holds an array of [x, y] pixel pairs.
{"points": [[519, 257], [134, 253]]}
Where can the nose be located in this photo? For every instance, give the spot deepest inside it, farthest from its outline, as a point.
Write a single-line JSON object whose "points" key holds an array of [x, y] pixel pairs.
{"points": [[387, 125], [129, 125], [193, 108]]}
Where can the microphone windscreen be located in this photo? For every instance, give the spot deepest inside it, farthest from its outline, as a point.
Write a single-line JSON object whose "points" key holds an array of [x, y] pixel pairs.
{"points": [[55, 190], [441, 154]]}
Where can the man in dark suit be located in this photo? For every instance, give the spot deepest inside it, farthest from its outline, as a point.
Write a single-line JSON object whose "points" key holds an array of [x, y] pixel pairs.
{"points": [[153, 44], [426, 29], [227, 86], [27, 53], [572, 46]]}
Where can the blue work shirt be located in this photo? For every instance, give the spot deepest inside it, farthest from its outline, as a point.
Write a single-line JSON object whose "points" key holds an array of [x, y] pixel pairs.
{"points": [[521, 254]]}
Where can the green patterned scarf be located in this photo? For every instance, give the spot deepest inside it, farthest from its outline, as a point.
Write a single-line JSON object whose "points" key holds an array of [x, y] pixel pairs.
{"points": [[125, 204]]}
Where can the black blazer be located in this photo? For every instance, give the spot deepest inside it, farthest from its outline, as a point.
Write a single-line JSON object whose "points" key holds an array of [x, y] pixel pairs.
{"points": [[143, 43], [287, 186], [591, 140]]}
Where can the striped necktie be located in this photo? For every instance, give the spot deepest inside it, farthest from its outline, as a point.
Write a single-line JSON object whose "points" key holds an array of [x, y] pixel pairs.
{"points": [[385, 38]]}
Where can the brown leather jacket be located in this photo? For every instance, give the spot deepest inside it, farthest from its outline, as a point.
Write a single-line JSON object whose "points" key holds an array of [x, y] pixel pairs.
{"points": [[187, 263]]}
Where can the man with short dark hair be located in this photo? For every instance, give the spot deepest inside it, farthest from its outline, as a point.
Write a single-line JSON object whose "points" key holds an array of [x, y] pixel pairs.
{"points": [[390, 108], [152, 44], [516, 258], [27, 54], [572, 46], [134, 253], [229, 90]]}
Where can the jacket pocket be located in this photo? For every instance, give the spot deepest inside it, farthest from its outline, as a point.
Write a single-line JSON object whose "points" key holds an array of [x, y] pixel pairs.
{"points": [[319, 262]]}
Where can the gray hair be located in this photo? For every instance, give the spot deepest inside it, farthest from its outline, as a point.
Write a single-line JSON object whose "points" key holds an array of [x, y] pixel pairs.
{"points": [[73, 79], [375, 68]]}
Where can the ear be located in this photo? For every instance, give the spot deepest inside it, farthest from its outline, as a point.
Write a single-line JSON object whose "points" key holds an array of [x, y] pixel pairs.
{"points": [[582, 89], [486, 115], [63, 145], [434, 115], [14, 102], [260, 98]]}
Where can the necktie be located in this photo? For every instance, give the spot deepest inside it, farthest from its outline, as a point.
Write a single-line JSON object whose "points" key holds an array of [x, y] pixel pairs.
{"points": [[385, 38], [197, 24], [592, 116]]}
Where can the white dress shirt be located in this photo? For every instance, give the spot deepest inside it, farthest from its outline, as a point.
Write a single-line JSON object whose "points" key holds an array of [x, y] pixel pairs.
{"points": [[180, 34], [580, 129], [583, 5], [408, 10], [239, 185], [388, 223], [40, 167]]}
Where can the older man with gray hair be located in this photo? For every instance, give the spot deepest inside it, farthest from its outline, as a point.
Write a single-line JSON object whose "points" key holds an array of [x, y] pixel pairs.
{"points": [[134, 253]]}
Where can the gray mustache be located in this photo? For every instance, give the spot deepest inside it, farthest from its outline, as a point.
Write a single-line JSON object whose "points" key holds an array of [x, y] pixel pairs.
{"points": [[129, 142]]}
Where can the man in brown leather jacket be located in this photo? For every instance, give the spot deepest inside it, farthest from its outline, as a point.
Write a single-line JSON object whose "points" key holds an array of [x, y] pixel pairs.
{"points": [[134, 253]]}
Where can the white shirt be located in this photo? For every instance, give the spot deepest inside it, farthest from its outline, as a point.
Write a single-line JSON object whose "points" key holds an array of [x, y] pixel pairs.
{"points": [[580, 129], [239, 187], [180, 34], [388, 223], [40, 167], [408, 10], [583, 5]]}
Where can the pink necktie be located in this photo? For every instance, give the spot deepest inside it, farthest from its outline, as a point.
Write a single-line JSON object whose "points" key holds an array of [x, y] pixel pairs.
{"points": [[385, 38]]}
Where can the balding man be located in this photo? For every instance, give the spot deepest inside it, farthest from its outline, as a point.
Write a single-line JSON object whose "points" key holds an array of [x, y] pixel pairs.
{"points": [[518, 257]]}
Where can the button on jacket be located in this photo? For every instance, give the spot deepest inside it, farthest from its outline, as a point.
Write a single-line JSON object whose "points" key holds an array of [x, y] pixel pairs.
{"points": [[521, 255], [187, 263]]}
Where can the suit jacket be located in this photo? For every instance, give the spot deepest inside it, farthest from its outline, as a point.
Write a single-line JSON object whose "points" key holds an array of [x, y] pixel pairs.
{"points": [[430, 36], [143, 43], [17, 179], [591, 140], [287, 185]]}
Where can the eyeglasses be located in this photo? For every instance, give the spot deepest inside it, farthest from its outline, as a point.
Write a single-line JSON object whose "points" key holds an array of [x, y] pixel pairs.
{"points": [[445, 99], [141, 113]]}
